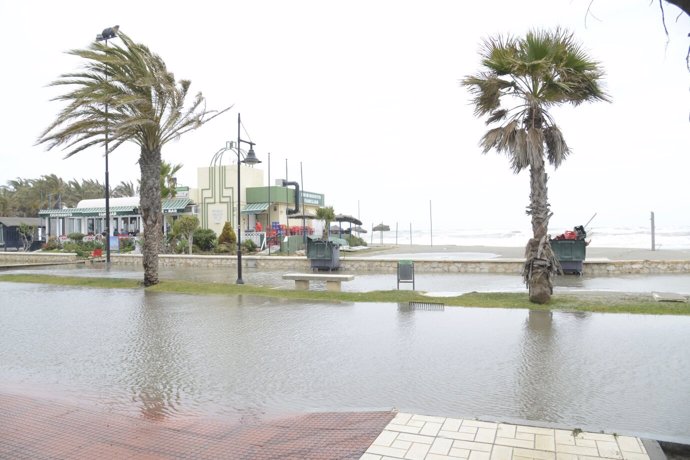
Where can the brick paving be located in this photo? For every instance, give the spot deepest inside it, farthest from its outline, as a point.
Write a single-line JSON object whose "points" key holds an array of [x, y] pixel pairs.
{"points": [[418, 437], [32, 428]]}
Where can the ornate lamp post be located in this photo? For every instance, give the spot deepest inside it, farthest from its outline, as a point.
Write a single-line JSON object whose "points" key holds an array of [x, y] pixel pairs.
{"points": [[249, 159]]}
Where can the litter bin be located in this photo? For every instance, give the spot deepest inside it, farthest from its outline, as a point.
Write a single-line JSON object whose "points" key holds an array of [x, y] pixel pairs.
{"points": [[323, 255], [406, 272], [570, 250]]}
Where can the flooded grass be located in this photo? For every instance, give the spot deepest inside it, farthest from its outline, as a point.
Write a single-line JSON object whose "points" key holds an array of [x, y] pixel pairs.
{"points": [[607, 302]]}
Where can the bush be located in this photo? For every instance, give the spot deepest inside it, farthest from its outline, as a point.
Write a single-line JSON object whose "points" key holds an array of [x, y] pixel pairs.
{"points": [[355, 240], [226, 248], [248, 246], [52, 244], [205, 239], [76, 237], [228, 235]]}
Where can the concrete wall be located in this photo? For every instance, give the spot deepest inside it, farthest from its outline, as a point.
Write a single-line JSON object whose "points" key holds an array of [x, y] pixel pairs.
{"points": [[20, 258], [362, 265]]}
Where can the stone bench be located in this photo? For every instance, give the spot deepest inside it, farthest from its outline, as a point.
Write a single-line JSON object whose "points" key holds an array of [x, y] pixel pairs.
{"points": [[332, 281]]}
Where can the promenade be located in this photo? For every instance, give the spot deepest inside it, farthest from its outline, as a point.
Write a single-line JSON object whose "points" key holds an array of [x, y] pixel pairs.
{"points": [[35, 428]]}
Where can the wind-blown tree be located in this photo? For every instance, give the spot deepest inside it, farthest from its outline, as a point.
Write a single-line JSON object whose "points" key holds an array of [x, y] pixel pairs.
{"points": [[326, 214], [168, 179], [145, 105], [125, 189], [521, 79]]}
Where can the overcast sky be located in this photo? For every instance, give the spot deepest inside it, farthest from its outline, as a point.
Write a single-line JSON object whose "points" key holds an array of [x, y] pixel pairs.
{"points": [[364, 95]]}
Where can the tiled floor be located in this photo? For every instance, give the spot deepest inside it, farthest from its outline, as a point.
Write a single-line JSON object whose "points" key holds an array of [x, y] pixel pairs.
{"points": [[418, 437], [33, 428]]}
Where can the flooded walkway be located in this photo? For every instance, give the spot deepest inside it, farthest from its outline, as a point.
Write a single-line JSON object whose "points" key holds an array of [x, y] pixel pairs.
{"points": [[41, 429], [410, 436]]}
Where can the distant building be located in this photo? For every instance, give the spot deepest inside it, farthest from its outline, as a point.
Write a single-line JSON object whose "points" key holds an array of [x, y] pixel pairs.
{"points": [[10, 238], [88, 217]]}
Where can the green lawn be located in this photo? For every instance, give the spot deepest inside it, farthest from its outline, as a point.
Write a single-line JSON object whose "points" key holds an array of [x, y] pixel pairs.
{"points": [[603, 302]]}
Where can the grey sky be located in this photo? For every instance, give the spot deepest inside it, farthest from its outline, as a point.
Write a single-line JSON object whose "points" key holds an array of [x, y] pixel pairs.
{"points": [[365, 95]]}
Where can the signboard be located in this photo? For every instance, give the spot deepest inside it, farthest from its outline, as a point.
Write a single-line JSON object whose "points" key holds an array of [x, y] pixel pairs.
{"points": [[315, 199], [114, 243]]}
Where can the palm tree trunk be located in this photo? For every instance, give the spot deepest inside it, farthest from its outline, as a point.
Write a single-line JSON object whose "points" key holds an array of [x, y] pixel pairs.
{"points": [[151, 212], [539, 258]]}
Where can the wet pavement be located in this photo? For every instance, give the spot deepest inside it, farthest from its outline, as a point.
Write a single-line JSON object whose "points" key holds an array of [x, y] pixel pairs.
{"points": [[439, 284], [37, 429]]}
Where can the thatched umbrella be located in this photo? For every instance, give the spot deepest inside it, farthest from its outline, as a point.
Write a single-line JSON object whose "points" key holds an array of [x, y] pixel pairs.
{"points": [[380, 228], [340, 218]]}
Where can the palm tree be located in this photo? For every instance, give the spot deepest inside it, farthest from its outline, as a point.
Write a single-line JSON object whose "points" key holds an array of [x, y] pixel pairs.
{"points": [[125, 189], [521, 79], [168, 179], [146, 106]]}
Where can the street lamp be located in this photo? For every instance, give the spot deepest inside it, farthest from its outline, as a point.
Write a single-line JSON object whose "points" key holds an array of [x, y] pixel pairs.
{"points": [[107, 34], [249, 159]]}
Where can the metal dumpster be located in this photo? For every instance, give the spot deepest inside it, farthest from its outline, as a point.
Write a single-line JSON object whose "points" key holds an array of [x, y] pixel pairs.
{"points": [[323, 255], [570, 254]]}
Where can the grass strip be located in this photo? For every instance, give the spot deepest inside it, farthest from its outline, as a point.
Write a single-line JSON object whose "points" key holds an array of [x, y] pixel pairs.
{"points": [[591, 302]]}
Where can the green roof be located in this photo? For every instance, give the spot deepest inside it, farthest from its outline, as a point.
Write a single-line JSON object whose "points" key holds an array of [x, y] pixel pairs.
{"points": [[170, 205], [255, 208]]}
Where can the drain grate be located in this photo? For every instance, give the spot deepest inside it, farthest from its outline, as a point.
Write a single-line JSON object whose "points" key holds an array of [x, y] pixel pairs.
{"points": [[429, 306]]}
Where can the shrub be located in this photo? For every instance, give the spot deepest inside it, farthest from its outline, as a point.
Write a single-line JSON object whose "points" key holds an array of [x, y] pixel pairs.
{"points": [[52, 244], [205, 239], [226, 248], [227, 235], [353, 240], [248, 246], [76, 237]]}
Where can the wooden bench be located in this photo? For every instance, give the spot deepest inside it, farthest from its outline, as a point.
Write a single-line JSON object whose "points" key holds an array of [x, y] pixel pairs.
{"points": [[332, 281]]}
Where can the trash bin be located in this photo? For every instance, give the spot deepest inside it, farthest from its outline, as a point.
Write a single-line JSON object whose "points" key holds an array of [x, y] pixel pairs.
{"points": [[570, 250], [406, 272], [323, 255]]}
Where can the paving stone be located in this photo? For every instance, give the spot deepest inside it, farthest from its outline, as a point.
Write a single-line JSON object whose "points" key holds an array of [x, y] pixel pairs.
{"points": [[389, 451], [474, 455], [370, 457], [585, 442], [628, 444], [386, 438], [544, 442], [564, 437], [460, 453], [524, 436], [535, 454], [417, 451], [431, 428], [472, 446], [416, 438], [456, 435], [501, 453], [535, 430], [635, 456], [441, 446], [480, 424], [397, 444], [514, 443], [506, 431], [578, 450], [403, 428], [452, 424], [609, 449], [427, 418], [597, 436], [485, 435], [442, 457]]}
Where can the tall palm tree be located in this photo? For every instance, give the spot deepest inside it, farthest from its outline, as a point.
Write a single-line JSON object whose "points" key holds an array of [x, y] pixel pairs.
{"points": [[125, 189], [168, 179], [146, 106], [522, 78]]}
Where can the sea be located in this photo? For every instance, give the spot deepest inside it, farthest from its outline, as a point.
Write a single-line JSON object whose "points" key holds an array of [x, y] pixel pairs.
{"points": [[604, 237]]}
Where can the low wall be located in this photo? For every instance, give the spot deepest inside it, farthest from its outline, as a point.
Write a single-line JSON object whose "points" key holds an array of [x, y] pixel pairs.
{"points": [[363, 264], [30, 258]]}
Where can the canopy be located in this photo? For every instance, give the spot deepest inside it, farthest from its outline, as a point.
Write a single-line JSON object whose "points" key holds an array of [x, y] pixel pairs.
{"points": [[255, 208], [350, 219], [381, 228]]}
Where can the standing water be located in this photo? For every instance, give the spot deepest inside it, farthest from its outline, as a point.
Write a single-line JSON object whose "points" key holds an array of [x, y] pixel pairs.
{"points": [[164, 355]]}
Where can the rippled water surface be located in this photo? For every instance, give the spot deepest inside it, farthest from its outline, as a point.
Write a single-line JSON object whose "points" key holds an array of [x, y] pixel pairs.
{"points": [[163, 355]]}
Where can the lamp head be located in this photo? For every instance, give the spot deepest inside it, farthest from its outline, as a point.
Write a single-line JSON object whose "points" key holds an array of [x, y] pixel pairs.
{"points": [[107, 34], [251, 158]]}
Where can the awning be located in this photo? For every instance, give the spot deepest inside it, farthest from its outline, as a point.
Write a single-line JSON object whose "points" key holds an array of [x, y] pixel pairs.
{"points": [[255, 208], [173, 205], [96, 212]]}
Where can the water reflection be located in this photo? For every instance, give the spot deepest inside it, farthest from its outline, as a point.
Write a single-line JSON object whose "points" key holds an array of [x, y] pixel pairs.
{"points": [[157, 367], [162, 355]]}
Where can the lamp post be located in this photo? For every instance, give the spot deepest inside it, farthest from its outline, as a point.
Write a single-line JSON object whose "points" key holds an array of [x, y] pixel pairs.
{"points": [[250, 159], [107, 34]]}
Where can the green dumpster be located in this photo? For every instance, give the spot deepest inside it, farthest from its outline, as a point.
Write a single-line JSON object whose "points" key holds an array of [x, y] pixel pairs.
{"points": [[570, 254]]}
